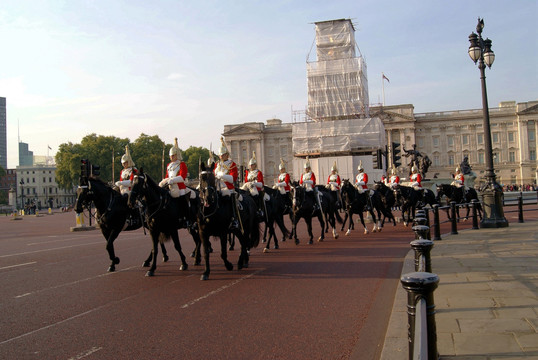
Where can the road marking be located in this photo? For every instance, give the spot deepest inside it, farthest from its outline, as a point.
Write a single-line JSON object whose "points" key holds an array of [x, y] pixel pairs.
{"points": [[55, 241], [12, 266], [224, 287], [86, 353], [75, 282], [59, 248]]}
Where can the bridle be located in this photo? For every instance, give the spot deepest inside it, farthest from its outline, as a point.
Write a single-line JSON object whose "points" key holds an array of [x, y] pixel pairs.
{"points": [[207, 193], [144, 185]]}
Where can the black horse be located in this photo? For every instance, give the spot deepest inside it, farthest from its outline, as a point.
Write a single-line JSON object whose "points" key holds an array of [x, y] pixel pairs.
{"points": [[112, 214], [331, 210], [407, 198], [456, 194], [305, 206], [274, 210], [387, 197], [214, 218], [164, 215], [357, 203]]}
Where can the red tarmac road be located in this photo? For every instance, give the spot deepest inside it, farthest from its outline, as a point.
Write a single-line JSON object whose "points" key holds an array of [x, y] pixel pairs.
{"points": [[329, 300]]}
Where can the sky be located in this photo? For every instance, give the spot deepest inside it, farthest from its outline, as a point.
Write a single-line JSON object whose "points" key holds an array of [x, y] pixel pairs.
{"points": [[183, 68]]}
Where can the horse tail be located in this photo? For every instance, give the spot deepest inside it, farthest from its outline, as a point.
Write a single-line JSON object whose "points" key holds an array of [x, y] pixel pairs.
{"points": [[255, 234], [163, 237], [338, 217]]}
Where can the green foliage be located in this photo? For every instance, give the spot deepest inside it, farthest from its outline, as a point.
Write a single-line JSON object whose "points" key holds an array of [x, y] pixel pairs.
{"points": [[148, 152]]}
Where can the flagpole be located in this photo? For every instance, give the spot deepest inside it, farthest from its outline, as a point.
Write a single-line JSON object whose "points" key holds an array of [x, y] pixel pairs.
{"points": [[383, 86]]}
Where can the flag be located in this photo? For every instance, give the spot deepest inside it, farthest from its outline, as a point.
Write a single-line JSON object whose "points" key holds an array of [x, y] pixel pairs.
{"points": [[49, 147], [386, 78]]}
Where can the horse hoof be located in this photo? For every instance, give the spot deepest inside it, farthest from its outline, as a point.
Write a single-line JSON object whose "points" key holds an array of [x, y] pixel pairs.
{"points": [[229, 267], [276, 247], [296, 242], [320, 239], [150, 273], [264, 241], [366, 231], [165, 258], [310, 242], [193, 254], [266, 250], [197, 263], [183, 267], [111, 269], [231, 248], [336, 236], [204, 277], [348, 232], [145, 264]]}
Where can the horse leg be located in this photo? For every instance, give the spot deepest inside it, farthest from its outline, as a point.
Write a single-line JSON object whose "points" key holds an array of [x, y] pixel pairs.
{"points": [[147, 262], [361, 217], [165, 254], [110, 249], [294, 229], [224, 254], [197, 247], [323, 226], [349, 215], [155, 240], [177, 246], [265, 233], [344, 223], [308, 220], [205, 247]]}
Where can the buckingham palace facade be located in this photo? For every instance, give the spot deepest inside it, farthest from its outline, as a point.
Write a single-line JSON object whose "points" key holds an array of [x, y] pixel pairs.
{"points": [[445, 137]]}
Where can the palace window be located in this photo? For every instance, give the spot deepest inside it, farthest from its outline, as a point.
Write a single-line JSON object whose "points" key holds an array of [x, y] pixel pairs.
{"points": [[495, 137], [511, 136], [481, 158], [512, 156], [479, 138], [435, 140], [465, 139], [532, 154], [450, 139], [450, 159], [436, 161]]}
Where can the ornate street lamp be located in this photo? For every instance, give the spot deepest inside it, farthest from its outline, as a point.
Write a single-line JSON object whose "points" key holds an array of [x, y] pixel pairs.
{"points": [[480, 51]]}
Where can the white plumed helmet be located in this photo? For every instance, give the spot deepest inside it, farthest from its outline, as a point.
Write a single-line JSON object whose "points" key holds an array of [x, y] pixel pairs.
{"points": [[127, 157], [174, 150], [223, 149], [253, 159], [282, 165], [334, 168], [360, 168], [307, 163]]}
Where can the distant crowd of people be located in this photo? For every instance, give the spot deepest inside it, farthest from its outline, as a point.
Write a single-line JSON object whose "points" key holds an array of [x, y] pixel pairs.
{"points": [[522, 187]]}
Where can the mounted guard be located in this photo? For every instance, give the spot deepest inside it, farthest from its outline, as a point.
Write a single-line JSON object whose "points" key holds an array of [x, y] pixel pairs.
{"points": [[394, 179], [226, 173], [361, 183], [416, 179], [254, 185], [308, 181], [124, 184], [283, 183], [334, 184]]}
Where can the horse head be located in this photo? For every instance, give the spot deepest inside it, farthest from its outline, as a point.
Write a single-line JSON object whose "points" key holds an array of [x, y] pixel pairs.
{"points": [[83, 197], [207, 183], [138, 188]]}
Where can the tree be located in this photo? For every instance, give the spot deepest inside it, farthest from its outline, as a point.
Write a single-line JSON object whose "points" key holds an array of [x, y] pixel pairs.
{"points": [[151, 154], [192, 156]]}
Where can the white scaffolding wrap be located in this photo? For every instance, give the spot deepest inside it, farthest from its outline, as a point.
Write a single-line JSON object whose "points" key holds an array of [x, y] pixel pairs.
{"points": [[337, 81], [330, 137]]}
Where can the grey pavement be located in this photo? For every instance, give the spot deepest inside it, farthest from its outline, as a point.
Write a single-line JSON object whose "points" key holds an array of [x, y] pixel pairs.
{"points": [[487, 299]]}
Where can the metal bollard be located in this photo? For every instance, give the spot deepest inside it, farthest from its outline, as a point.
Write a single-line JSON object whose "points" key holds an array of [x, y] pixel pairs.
{"points": [[421, 285], [520, 208], [454, 230], [436, 223], [421, 231], [474, 205], [422, 247]]}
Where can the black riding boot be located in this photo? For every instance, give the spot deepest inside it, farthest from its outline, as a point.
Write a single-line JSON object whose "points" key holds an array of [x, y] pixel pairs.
{"points": [[234, 223], [260, 212]]}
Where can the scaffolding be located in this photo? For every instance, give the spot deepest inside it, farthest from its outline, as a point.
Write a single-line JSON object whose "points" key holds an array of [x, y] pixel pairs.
{"points": [[337, 80]]}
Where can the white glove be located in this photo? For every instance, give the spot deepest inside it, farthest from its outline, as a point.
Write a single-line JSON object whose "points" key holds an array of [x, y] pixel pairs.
{"points": [[175, 180], [123, 183], [164, 182], [227, 178]]}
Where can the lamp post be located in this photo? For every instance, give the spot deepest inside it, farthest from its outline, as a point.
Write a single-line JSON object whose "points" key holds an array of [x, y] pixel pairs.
{"points": [[22, 193], [480, 51]]}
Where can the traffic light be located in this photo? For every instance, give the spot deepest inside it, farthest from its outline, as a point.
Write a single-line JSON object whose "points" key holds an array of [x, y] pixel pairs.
{"points": [[396, 154], [84, 168], [95, 170], [378, 159]]}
